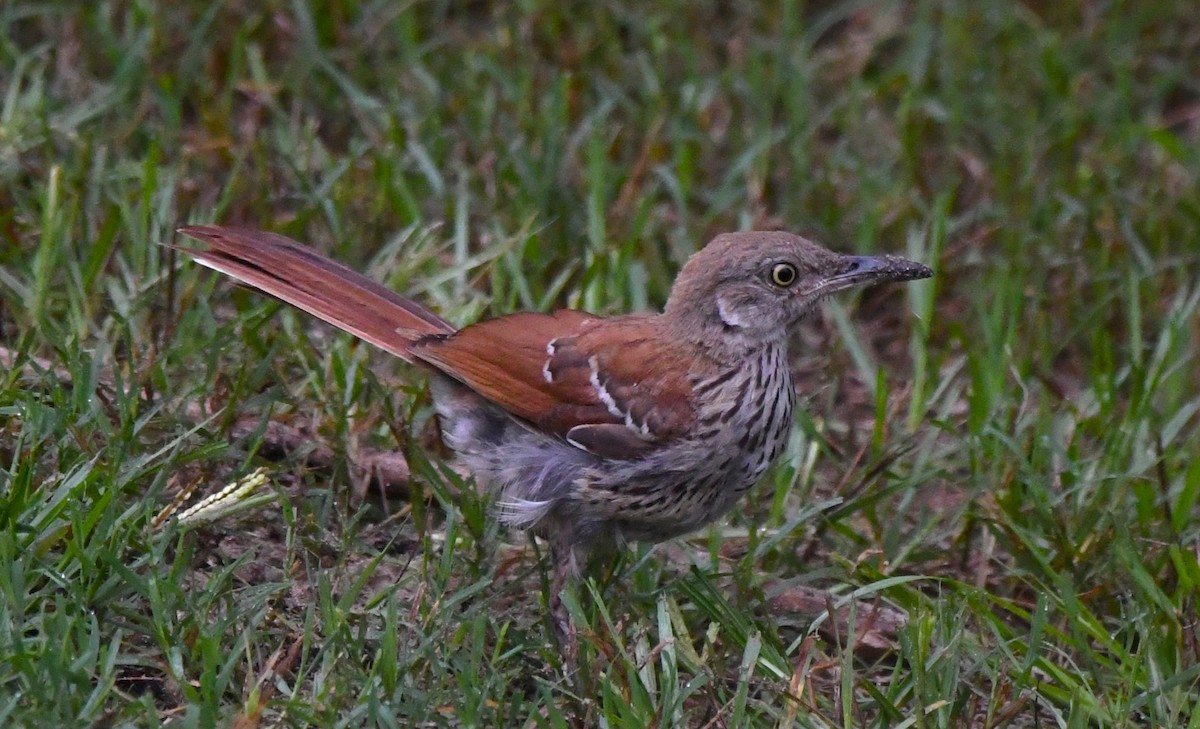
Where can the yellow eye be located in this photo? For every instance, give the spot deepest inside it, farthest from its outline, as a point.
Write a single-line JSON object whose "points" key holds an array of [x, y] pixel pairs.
{"points": [[783, 274]]}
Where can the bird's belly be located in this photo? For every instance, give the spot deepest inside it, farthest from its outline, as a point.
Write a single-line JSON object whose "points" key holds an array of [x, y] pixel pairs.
{"points": [[693, 483], [562, 492]]}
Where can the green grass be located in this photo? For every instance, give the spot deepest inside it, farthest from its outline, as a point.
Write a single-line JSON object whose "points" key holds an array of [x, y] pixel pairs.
{"points": [[1005, 453]]}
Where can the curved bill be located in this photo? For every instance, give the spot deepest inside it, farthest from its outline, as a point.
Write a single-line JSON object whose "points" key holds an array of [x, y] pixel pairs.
{"points": [[870, 270]]}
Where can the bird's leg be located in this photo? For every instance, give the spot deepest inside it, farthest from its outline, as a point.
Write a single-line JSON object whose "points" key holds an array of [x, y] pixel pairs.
{"points": [[565, 568]]}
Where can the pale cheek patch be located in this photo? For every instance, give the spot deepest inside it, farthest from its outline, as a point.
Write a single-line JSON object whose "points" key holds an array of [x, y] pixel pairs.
{"points": [[728, 315]]}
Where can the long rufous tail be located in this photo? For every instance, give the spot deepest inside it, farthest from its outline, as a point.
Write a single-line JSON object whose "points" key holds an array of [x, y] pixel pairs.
{"points": [[306, 279]]}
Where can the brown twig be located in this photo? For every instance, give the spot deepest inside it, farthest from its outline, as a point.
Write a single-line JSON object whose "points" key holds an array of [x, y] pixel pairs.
{"points": [[875, 626]]}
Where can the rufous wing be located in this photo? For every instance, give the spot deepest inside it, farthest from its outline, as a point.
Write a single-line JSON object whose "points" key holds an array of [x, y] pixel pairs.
{"points": [[613, 387]]}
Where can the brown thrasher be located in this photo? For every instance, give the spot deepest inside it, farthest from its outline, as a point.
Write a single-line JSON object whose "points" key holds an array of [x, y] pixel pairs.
{"points": [[590, 429]]}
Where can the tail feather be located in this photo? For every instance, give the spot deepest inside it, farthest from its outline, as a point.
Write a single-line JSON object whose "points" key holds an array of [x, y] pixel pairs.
{"points": [[329, 291]]}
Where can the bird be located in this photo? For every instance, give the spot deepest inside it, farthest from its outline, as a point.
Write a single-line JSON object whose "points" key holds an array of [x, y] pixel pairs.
{"points": [[590, 430]]}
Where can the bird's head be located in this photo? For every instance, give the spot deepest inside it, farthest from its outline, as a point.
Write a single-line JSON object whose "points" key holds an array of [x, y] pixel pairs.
{"points": [[755, 285]]}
